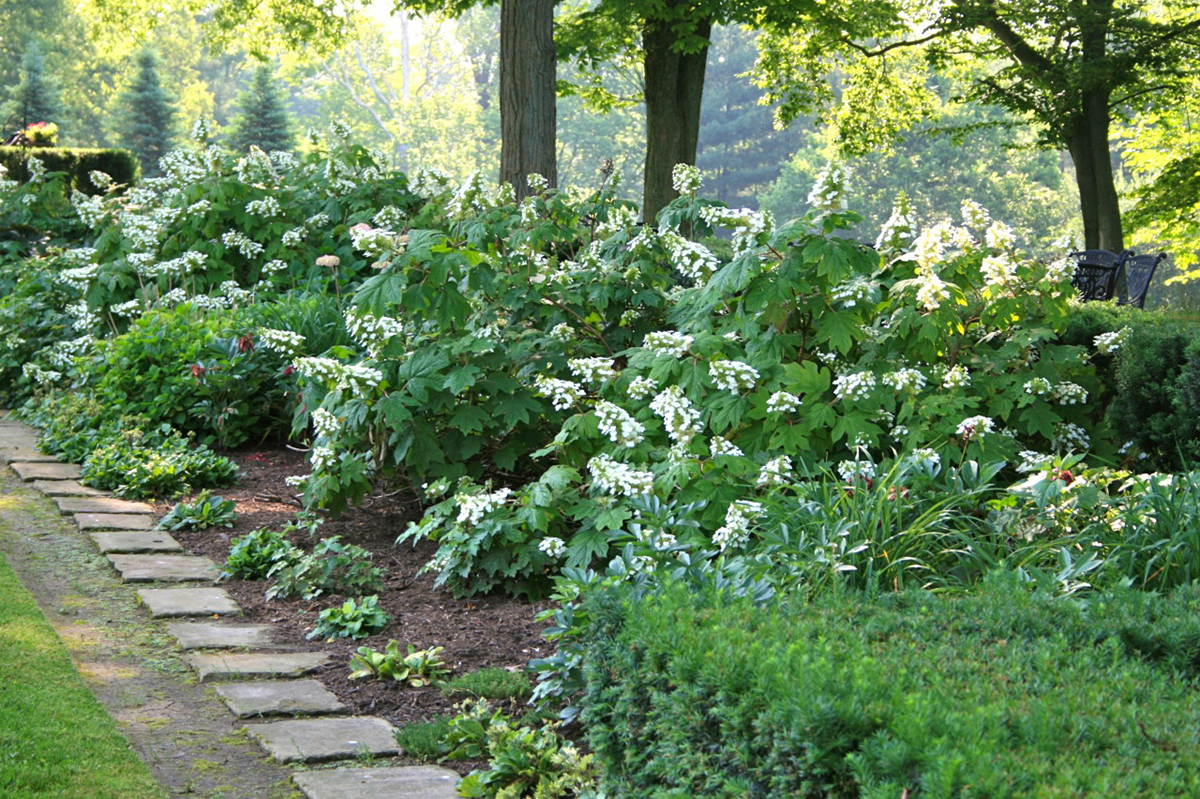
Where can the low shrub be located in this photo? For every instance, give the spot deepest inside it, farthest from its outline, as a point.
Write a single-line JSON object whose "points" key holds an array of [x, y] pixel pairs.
{"points": [[332, 567], [203, 512], [137, 465], [490, 683], [354, 618], [1003, 693], [423, 740], [254, 555], [77, 162], [417, 668]]}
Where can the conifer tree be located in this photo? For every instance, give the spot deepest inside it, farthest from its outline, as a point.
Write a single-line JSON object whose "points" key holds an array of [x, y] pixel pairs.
{"points": [[148, 118], [263, 121], [35, 97]]}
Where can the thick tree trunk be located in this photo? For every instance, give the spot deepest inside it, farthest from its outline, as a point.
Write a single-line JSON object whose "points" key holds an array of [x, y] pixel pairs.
{"points": [[674, 89], [528, 113], [1090, 150]]}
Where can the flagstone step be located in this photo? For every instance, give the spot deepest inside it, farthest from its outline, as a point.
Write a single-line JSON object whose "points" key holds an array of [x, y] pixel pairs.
{"points": [[29, 472], [30, 454], [319, 740], [211, 667], [278, 698], [113, 521], [66, 488], [133, 541], [164, 568], [177, 602], [403, 782], [103, 505], [220, 635]]}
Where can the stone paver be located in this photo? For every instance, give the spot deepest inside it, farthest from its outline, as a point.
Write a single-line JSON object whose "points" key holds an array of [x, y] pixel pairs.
{"points": [[164, 568], [238, 666], [24, 455], [317, 740], [45, 471], [127, 541], [102, 505], [218, 635], [278, 698], [176, 602], [66, 488], [113, 521], [405, 782]]}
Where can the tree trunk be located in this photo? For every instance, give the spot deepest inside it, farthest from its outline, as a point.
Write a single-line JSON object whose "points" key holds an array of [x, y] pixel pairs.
{"points": [[674, 89], [528, 76], [1089, 147]]}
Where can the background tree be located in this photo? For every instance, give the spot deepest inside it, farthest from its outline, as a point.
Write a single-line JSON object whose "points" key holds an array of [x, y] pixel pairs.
{"points": [[263, 121], [148, 115], [1066, 68], [35, 97]]}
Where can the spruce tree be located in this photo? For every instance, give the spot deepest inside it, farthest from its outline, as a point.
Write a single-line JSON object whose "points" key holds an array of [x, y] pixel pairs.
{"points": [[148, 115], [263, 121], [34, 98]]}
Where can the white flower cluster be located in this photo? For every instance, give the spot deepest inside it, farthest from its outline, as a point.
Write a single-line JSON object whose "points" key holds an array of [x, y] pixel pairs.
{"points": [[101, 180], [641, 387], [783, 402], [201, 130], [175, 296], [668, 342], [1038, 386], [64, 352], [1000, 236], [956, 377], [852, 470], [975, 215], [723, 446], [390, 218], [293, 237], [428, 183], [128, 309], [536, 183], [1060, 271], [736, 531], [680, 418], [43, 377], [685, 179], [1070, 436], [325, 423], [619, 219], [1068, 393], [1033, 461], [552, 546], [80, 277], [231, 291], [897, 231], [908, 380], [659, 540], [924, 455], [265, 208], [286, 342], [733, 376], [613, 477], [90, 209], [186, 264], [563, 333], [274, 266], [691, 258], [828, 194], [852, 291], [373, 332], [356, 378], [197, 209], [854, 386], [975, 427], [930, 246], [473, 507], [932, 291], [1108, 343], [775, 471], [85, 318], [37, 169], [618, 425], [998, 270], [247, 246], [373, 242], [563, 394], [748, 225], [592, 370], [321, 458]]}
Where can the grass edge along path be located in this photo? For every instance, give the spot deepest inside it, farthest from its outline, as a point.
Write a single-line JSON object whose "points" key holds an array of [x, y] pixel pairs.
{"points": [[56, 739]]}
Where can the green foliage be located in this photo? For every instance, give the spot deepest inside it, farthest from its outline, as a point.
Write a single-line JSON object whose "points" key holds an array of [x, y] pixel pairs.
{"points": [[263, 122], [254, 555], [137, 465], [417, 668], [76, 162], [147, 115], [203, 512], [522, 760], [490, 683], [332, 567], [34, 98], [352, 619], [423, 740], [72, 425], [706, 695]]}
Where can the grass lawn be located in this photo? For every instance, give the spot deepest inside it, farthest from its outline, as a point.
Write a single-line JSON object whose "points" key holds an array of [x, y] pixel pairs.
{"points": [[55, 738]]}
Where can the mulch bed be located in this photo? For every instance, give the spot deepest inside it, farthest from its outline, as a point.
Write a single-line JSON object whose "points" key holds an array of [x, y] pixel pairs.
{"points": [[494, 630]]}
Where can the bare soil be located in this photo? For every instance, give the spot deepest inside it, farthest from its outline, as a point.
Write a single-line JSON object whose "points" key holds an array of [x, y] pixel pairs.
{"points": [[489, 631]]}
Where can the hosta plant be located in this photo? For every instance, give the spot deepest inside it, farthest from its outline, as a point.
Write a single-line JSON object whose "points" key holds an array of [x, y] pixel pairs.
{"points": [[417, 668]]}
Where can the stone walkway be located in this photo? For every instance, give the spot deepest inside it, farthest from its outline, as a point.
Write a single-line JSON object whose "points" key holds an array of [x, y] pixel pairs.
{"points": [[256, 676]]}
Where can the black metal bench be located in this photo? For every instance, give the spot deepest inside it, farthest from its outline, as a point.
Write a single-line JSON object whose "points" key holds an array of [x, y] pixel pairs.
{"points": [[1139, 271], [1101, 275]]}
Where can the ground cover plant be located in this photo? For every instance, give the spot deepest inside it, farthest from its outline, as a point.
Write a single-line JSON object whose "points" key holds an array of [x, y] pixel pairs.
{"points": [[559, 401]]}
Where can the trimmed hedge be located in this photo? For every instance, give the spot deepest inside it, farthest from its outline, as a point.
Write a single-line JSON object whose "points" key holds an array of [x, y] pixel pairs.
{"points": [[77, 162], [998, 694]]}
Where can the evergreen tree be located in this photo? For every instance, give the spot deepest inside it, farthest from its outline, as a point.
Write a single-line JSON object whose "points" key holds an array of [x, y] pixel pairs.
{"points": [[148, 117], [263, 121], [35, 97]]}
